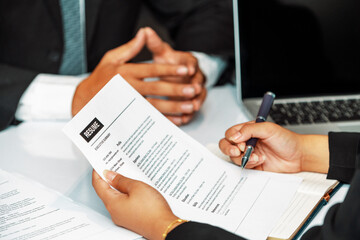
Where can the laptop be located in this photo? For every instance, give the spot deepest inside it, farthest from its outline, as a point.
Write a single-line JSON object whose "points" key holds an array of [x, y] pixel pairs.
{"points": [[305, 51]]}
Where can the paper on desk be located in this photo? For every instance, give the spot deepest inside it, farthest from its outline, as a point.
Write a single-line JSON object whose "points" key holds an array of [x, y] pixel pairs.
{"points": [[119, 130], [31, 211]]}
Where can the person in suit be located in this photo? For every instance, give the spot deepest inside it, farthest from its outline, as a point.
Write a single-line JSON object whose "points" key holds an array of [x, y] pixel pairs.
{"points": [[142, 209], [39, 78]]}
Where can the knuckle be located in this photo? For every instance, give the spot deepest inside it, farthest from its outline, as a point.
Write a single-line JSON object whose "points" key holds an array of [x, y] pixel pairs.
{"points": [[152, 88], [107, 58], [193, 60], [191, 56], [109, 53], [152, 101], [178, 90], [175, 107], [156, 69]]}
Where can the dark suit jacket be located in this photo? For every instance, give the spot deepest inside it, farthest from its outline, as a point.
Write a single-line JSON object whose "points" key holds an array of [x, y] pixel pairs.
{"points": [[342, 220], [31, 37]]}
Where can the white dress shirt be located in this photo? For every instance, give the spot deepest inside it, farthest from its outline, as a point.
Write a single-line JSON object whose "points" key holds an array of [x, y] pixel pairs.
{"points": [[49, 96]]}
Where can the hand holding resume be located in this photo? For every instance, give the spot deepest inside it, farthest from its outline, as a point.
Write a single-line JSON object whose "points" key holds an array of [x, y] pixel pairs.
{"points": [[120, 131]]}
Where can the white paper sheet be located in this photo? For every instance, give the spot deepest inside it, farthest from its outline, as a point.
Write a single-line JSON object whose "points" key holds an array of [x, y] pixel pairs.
{"points": [[119, 130], [31, 211]]}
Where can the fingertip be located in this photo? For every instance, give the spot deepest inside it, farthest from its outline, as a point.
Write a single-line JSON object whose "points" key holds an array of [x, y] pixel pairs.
{"points": [[176, 120], [242, 146], [254, 158], [253, 161], [187, 107], [139, 33], [223, 143], [196, 104], [182, 70], [109, 175], [235, 137], [234, 152], [189, 91], [149, 30], [249, 165], [198, 88], [186, 119], [192, 70]]}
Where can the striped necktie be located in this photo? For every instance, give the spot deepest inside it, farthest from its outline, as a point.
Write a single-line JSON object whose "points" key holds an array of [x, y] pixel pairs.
{"points": [[74, 60]]}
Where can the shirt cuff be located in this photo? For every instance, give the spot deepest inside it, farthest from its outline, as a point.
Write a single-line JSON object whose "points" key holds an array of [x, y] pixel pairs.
{"points": [[48, 97], [212, 66]]}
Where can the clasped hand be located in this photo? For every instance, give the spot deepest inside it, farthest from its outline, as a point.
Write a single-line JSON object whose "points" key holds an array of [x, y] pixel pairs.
{"points": [[178, 93]]}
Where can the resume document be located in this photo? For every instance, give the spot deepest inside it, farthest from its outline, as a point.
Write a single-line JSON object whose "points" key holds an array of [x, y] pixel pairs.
{"points": [[120, 131]]}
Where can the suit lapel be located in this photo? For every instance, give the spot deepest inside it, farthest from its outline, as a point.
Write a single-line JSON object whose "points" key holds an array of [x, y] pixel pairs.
{"points": [[91, 12]]}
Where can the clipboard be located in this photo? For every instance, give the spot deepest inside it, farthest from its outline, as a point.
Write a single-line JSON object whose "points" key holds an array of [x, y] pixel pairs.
{"points": [[314, 193], [318, 208]]}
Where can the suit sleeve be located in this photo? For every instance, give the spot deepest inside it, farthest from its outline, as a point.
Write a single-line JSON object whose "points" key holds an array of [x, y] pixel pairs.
{"points": [[194, 230], [344, 151], [13, 83], [342, 220], [198, 25]]}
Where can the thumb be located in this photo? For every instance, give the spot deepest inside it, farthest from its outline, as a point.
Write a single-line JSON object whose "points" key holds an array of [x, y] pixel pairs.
{"points": [[130, 49], [119, 182], [154, 43]]}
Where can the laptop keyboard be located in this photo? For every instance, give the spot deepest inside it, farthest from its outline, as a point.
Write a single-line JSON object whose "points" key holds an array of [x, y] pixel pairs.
{"points": [[316, 112]]}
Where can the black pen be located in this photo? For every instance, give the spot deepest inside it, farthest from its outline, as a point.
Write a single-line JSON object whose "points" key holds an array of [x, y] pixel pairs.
{"points": [[264, 110]]}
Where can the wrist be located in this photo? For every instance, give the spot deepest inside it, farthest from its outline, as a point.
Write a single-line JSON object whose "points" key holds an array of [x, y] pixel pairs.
{"points": [[77, 100], [158, 226], [82, 95], [166, 226], [315, 153], [172, 226]]}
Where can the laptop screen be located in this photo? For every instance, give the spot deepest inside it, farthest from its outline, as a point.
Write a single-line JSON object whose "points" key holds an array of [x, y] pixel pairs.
{"points": [[298, 47]]}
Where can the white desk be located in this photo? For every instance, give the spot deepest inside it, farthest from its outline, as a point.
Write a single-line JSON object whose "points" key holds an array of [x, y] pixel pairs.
{"points": [[40, 151]]}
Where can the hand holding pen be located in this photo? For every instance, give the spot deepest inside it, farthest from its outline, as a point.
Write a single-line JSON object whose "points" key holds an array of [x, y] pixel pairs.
{"points": [[277, 149]]}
